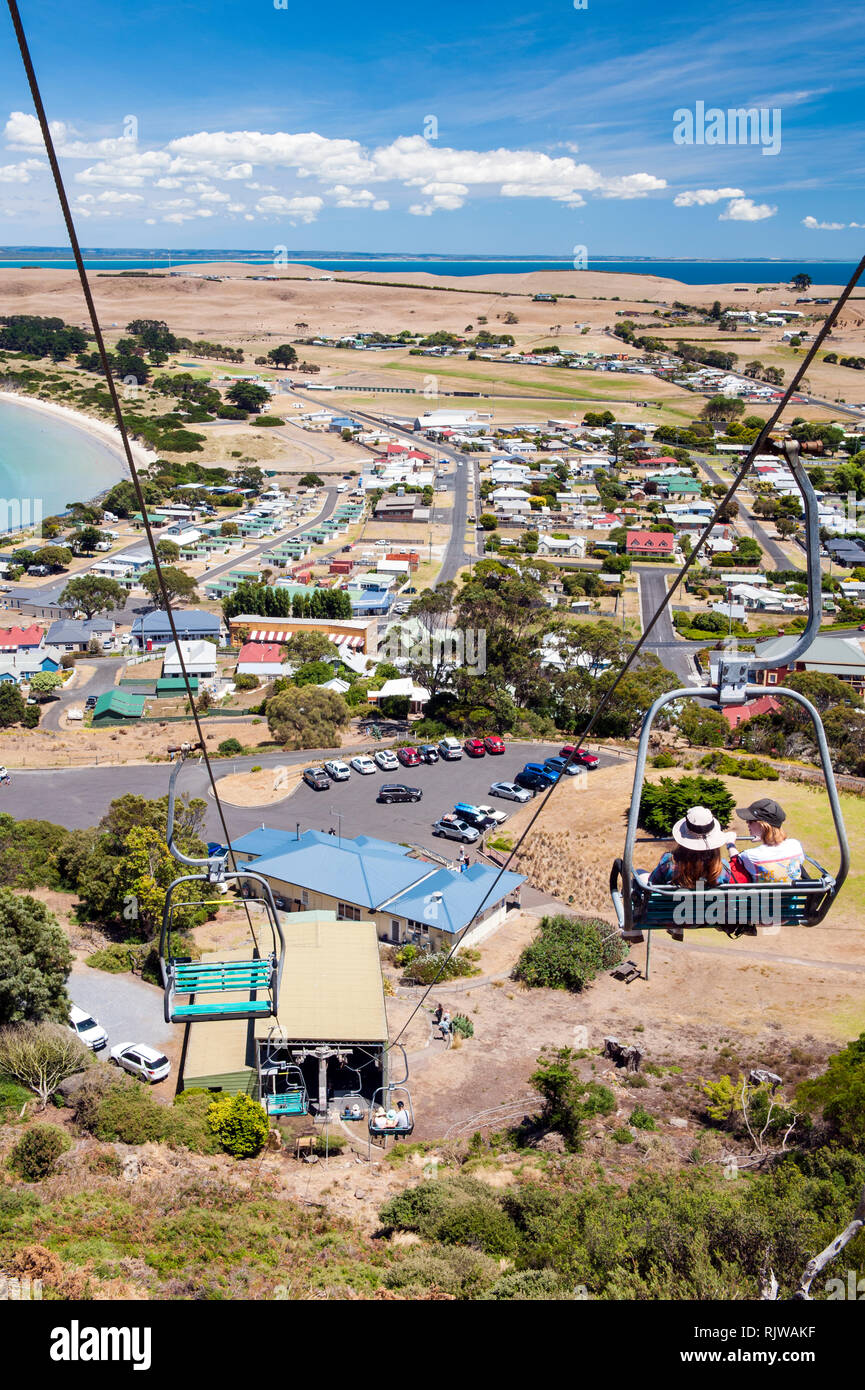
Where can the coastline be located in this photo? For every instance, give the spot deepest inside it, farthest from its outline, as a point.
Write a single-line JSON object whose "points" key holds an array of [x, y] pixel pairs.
{"points": [[100, 430]]}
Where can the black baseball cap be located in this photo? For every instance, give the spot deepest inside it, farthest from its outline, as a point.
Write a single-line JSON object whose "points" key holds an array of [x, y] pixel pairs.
{"points": [[765, 809]]}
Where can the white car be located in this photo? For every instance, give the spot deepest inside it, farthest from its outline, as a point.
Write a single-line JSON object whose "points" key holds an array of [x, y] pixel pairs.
{"points": [[498, 816], [337, 771], [386, 760], [141, 1060], [363, 763], [509, 791], [87, 1029]]}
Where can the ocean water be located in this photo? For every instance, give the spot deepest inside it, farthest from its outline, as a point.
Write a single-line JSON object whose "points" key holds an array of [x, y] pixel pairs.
{"points": [[689, 272], [46, 462]]}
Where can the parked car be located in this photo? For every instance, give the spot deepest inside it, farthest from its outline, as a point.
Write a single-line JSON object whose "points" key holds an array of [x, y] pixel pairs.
{"points": [[581, 755], [534, 781], [409, 757], [475, 747], [509, 791], [398, 791], [317, 778], [452, 828], [562, 766], [363, 764], [337, 771], [552, 774], [497, 817], [91, 1033], [450, 749], [385, 760], [472, 815], [429, 753], [141, 1060], [90, 702], [494, 744]]}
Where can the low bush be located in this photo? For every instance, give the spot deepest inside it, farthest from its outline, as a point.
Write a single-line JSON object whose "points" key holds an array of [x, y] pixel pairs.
{"points": [[568, 953], [437, 967], [641, 1119], [229, 747], [664, 759], [240, 1125], [245, 681], [463, 1026], [37, 1151], [453, 1211], [752, 769]]}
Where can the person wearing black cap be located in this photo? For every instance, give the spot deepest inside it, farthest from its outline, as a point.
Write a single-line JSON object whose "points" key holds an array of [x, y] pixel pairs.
{"points": [[775, 857]]}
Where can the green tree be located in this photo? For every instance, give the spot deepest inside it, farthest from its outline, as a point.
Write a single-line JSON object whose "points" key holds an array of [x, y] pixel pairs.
{"points": [[568, 953], [838, 1095], [87, 539], [283, 356], [568, 1100], [310, 480], [12, 704], [178, 583], [307, 717], [45, 682], [240, 1124], [35, 961], [92, 594], [248, 395], [703, 726], [665, 802], [167, 550], [801, 281]]}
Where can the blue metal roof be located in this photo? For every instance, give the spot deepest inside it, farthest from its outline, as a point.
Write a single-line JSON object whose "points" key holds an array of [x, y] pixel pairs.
{"points": [[462, 896], [365, 871], [192, 621]]}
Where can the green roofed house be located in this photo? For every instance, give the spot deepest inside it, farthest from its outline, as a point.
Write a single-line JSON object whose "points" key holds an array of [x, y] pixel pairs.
{"points": [[117, 705], [174, 685]]}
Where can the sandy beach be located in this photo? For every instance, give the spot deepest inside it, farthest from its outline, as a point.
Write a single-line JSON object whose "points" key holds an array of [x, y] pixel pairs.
{"points": [[100, 430]]}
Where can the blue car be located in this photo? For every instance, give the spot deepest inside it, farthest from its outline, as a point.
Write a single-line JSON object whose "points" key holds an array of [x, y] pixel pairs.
{"points": [[551, 773]]}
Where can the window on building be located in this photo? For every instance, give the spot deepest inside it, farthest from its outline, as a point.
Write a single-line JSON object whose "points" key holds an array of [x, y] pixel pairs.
{"points": [[347, 912]]}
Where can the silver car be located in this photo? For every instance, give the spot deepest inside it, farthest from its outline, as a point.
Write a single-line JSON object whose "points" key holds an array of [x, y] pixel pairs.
{"points": [[386, 760], [363, 764], [509, 791], [337, 771], [141, 1061]]}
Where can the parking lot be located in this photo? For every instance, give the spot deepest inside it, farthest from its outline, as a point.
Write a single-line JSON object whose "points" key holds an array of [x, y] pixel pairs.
{"points": [[351, 809]]}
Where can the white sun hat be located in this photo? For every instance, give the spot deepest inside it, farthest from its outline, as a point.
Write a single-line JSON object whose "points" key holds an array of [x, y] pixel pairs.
{"points": [[700, 830]]}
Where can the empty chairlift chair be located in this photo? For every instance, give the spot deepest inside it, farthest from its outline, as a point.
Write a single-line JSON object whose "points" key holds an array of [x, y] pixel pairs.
{"points": [[642, 907], [212, 990]]}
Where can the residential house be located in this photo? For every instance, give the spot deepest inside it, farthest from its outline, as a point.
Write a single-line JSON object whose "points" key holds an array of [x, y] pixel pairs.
{"points": [[72, 635], [262, 659], [21, 639], [650, 543], [199, 658], [831, 656], [153, 630]]}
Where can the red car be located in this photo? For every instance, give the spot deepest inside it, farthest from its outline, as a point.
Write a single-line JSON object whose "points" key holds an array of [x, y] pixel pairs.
{"points": [[409, 757], [474, 747], [494, 744], [581, 756]]}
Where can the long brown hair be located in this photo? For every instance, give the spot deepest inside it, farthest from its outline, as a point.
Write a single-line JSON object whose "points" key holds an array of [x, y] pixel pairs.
{"points": [[692, 866], [770, 834]]}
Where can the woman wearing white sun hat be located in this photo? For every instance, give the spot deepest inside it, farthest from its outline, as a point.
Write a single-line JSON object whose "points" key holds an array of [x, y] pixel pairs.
{"points": [[697, 856]]}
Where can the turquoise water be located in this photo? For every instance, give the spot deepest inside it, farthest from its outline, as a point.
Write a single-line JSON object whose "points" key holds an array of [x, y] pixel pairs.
{"points": [[49, 461], [689, 272]]}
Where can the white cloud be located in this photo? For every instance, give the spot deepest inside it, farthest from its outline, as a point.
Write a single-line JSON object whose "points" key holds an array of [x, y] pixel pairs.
{"points": [[813, 225], [296, 209], [701, 197], [20, 173], [22, 132], [746, 210]]}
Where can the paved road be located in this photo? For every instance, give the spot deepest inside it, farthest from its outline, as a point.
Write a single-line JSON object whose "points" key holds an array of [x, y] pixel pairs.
{"points": [[78, 797], [129, 1009], [104, 678], [750, 523], [675, 654]]}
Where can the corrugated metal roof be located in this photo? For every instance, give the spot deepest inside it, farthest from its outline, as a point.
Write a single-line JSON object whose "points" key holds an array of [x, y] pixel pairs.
{"points": [[331, 986]]}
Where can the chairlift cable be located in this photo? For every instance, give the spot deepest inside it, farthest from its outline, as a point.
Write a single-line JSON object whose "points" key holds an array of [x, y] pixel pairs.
{"points": [[115, 401]]}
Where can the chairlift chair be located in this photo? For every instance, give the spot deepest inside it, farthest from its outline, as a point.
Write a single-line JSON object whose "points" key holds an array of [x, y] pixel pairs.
{"points": [[641, 907], [388, 1099], [282, 1087], [217, 989]]}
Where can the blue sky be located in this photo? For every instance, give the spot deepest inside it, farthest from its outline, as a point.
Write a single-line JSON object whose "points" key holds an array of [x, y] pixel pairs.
{"points": [[243, 125]]}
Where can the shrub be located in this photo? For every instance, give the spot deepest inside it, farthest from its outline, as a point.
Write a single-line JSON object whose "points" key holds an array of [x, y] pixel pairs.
{"points": [[622, 1136], [115, 958], [128, 1113], [246, 682], [37, 1151], [461, 1273], [568, 953], [463, 1026], [752, 769], [664, 759], [453, 1211], [527, 1285], [334, 1144], [641, 1119], [839, 1094], [240, 1124], [229, 747], [665, 802], [434, 968]]}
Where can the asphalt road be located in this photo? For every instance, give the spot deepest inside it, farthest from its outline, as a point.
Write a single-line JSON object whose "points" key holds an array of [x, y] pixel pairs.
{"points": [[104, 678], [129, 1009], [675, 654], [78, 797], [749, 523]]}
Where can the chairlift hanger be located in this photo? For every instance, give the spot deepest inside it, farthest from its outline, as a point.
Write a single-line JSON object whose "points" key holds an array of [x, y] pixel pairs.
{"points": [[247, 988], [641, 907]]}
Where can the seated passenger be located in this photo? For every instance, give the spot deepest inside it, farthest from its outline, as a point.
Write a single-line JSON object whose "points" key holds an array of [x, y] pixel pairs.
{"points": [[403, 1119], [774, 858], [697, 856], [379, 1119]]}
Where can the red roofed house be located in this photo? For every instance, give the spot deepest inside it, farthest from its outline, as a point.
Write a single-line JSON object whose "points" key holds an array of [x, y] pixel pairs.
{"points": [[605, 522], [262, 659], [21, 639], [740, 714], [650, 543]]}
